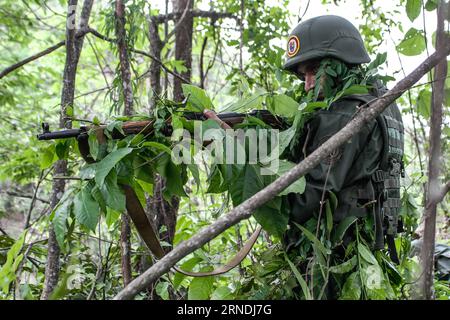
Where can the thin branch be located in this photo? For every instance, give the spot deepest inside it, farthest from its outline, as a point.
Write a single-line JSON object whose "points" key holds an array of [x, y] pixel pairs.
{"points": [[245, 209], [26, 196], [36, 56], [195, 13]]}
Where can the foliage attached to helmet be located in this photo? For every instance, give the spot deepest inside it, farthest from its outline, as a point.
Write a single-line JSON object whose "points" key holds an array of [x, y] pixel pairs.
{"points": [[337, 48]]}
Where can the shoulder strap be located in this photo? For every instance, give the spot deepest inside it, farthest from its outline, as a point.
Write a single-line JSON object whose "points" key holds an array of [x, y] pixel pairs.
{"points": [[149, 236]]}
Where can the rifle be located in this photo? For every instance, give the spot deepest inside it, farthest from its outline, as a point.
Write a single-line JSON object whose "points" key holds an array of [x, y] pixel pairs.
{"points": [[133, 205], [146, 126]]}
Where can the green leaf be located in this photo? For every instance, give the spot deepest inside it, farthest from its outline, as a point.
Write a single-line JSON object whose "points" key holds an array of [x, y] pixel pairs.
{"points": [[355, 89], [188, 265], [111, 216], [413, 43], [13, 259], [198, 99], [313, 239], [193, 168], [48, 157], [86, 209], [107, 163], [345, 267], [158, 146], [222, 293], [162, 290], [274, 221], [174, 181], [431, 5], [329, 217], [342, 228], [413, 8], [201, 288], [424, 103], [298, 186], [284, 105], [366, 254], [253, 102], [88, 171], [299, 278], [59, 220], [112, 193], [352, 287], [62, 148], [93, 145]]}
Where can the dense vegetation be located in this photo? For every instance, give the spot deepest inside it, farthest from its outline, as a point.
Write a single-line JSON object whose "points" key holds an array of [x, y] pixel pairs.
{"points": [[62, 224]]}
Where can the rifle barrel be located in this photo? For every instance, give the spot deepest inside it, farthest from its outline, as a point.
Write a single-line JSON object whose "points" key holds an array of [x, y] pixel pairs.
{"points": [[69, 133]]}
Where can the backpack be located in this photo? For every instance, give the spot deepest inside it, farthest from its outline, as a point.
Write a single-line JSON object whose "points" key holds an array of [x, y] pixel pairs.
{"points": [[386, 180]]}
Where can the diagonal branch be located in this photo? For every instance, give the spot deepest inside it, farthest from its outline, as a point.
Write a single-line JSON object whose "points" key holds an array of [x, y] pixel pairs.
{"points": [[195, 13], [245, 209], [38, 55]]}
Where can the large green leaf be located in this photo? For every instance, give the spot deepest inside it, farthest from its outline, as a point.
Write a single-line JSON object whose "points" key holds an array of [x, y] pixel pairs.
{"points": [[314, 240], [342, 228], [298, 186], [107, 163], [112, 193], [174, 179], [188, 265], [156, 145], [366, 254], [198, 99], [345, 267], [424, 103], [86, 209], [430, 5], [299, 278], [222, 293], [352, 287], [201, 288], [269, 215], [253, 102], [413, 43], [60, 215], [413, 8], [271, 219], [284, 105]]}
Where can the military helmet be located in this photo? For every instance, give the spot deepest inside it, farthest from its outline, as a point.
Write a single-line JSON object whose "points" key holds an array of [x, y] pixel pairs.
{"points": [[322, 37]]}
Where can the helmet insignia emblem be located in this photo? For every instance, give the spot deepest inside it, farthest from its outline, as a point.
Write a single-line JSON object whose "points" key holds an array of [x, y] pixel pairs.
{"points": [[293, 46]]}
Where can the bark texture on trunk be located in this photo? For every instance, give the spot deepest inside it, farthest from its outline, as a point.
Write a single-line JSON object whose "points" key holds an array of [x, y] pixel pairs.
{"points": [[125, 74], [434, 167], [183, 42], [73, 47], [156, 46]]}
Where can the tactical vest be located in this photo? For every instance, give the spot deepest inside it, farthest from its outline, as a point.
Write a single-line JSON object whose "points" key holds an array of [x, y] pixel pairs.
{"points": [[386, 180]]}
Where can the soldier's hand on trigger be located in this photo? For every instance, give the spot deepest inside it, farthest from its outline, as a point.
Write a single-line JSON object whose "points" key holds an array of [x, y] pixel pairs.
{"points": [[212, 115]]}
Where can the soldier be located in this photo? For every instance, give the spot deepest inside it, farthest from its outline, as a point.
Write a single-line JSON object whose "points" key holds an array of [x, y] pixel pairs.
{"points": [[364, 174]]}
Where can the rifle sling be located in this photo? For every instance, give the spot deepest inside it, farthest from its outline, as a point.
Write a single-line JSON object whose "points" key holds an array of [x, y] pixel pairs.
{"points": [[149, 236]]}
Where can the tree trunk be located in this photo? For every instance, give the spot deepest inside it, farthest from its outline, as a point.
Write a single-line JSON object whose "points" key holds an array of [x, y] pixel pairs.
{"points": [[433, 192], [73, 50], [183, 42], [125, 74], [155, 68]]}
